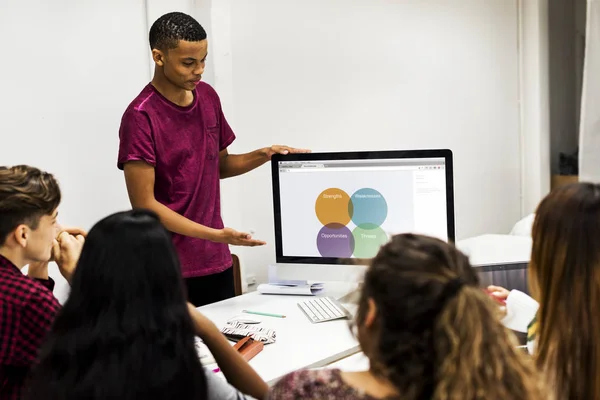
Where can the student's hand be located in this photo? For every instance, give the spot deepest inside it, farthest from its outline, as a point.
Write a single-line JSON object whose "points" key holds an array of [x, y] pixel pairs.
{"points": [[500, 293], [233, 237], [237, 371], [280, 149], [66, 250], [72, 230]]}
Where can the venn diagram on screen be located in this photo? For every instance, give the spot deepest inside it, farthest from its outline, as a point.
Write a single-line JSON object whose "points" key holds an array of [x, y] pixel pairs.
{"points": [[351, 223]]}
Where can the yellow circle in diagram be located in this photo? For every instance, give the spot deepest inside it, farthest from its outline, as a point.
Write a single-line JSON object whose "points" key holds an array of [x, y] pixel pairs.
{"points": [[333, 206]]}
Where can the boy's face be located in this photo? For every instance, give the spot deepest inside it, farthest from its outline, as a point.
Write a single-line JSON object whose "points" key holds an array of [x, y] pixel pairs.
{"points": [[38, 244], [183, 66]]}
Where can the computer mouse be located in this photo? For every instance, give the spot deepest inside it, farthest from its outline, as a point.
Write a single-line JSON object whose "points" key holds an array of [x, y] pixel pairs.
{"points": [[245, 319]]}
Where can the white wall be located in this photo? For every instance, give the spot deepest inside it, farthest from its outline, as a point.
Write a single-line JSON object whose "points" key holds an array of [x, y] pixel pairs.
{"points": [[73, 68], [350, 75], [580, 27], [72, 71], [534, 99], [589, 134]]}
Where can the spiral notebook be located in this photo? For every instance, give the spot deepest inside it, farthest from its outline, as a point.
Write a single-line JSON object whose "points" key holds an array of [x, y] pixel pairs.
{"points": [[236, 331]]}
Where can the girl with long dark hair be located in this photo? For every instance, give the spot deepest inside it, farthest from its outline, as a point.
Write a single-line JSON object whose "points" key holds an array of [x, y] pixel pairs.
{"points": [[126, 331]]}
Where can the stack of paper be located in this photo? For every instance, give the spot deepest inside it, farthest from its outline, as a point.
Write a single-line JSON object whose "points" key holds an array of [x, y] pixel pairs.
{"points": [[298, 288]]}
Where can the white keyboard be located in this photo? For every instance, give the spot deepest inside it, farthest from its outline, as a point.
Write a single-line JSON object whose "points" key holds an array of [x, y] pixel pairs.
{"points": [[321, 309]]}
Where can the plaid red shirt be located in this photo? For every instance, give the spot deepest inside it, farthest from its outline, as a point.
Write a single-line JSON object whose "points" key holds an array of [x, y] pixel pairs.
{"points": [[27, 309]]}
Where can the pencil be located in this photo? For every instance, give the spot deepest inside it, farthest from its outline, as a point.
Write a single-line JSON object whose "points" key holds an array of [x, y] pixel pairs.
{"points": [[264, 314]]}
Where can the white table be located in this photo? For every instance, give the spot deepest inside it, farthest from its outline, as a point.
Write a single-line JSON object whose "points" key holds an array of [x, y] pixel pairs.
{"points": [[300, 343], [496, 249], [356, 362]]}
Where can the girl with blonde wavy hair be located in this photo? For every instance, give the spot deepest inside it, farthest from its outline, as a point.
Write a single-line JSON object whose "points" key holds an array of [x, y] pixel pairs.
{"points": [[564, 277]]}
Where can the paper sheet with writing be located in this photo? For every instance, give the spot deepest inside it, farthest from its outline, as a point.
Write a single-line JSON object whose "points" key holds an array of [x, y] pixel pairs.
{"points": [[520, 311]]}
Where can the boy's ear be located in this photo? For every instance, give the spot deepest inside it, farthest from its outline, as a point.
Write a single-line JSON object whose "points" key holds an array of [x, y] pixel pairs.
{"points": [[20, 235], [158, 57]]}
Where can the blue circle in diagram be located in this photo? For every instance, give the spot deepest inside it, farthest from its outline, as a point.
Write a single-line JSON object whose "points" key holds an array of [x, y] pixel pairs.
{"points": [[370, 208]]}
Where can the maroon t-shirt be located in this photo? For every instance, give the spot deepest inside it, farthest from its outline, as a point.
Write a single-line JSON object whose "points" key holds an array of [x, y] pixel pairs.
{"points": [[183, 145]]}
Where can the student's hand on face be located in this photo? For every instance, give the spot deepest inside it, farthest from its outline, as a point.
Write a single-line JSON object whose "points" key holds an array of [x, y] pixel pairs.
{"points": [[66, 250], [72, 230], [280, 149], [233, 237]]}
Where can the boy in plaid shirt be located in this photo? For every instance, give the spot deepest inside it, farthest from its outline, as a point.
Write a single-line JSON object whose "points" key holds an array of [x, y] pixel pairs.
{"points": [[29, 235]]}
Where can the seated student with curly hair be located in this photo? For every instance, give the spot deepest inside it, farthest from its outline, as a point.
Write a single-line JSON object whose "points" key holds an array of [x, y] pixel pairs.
{"points": [[428, 331]]}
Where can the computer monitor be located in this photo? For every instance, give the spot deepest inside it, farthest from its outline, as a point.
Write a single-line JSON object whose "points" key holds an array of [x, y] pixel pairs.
{"points": [[331, 208]]}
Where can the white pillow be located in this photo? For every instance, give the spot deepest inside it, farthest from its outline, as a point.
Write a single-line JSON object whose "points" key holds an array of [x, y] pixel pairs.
{"points": [[523, 227]]}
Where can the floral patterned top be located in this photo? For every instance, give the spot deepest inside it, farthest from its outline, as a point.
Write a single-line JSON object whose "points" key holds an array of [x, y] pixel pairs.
{"points": [[324, 384]]}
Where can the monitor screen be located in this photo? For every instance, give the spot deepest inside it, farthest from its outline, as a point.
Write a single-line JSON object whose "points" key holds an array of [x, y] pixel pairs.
{"points": [[338, 206]]}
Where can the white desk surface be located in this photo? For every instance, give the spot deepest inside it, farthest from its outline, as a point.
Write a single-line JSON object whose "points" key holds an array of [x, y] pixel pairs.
{"points": [[495, 249], [356, 362], [300, 343]]}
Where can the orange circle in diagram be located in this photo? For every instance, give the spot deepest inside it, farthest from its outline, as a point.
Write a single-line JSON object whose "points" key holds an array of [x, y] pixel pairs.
{"points": [[333, 206]]}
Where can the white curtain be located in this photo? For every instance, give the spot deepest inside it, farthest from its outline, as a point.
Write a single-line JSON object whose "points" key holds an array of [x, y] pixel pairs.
{"points": [[589, 134]]}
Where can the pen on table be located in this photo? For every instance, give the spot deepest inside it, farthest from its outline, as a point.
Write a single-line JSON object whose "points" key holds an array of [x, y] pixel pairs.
{"points": [[264, 314]]}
